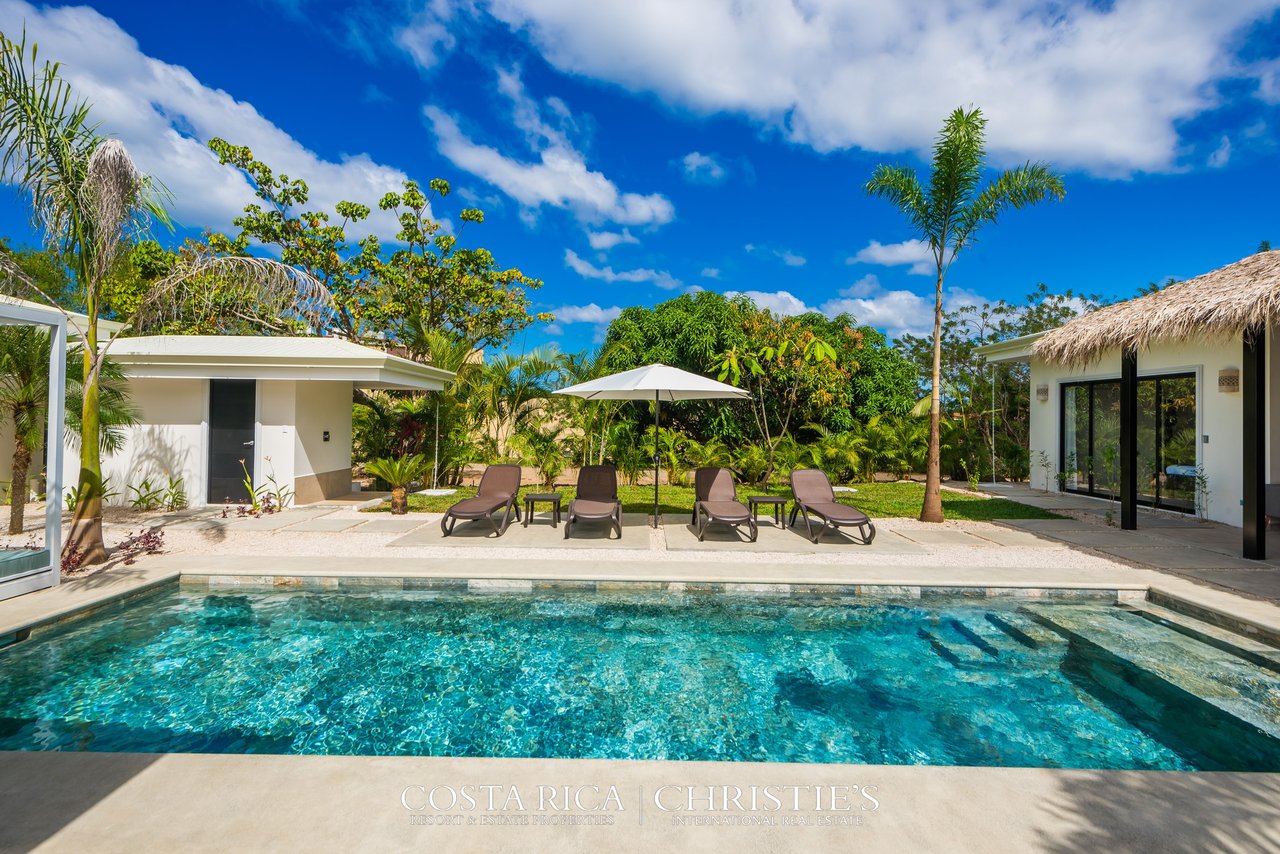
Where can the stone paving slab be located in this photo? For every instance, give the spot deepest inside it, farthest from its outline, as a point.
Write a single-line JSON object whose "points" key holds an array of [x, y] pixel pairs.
{"points": [[941, 537], [323, 525], [194, 525], [1174, 557], [1039, 525], [1257, 582], [276, 521], [683, 536], [1011, 537], [1099, 537], [586, 535], [1163, 520], [393, 524]]}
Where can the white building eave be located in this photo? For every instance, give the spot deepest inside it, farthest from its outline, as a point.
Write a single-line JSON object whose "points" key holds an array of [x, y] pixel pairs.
{"points": [[229, 357], [1010, 350]]}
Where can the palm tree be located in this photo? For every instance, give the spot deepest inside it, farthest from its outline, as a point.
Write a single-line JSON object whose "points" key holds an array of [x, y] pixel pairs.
{"points": [[399, 472], [948, 215], [593, 417], [509, 391], [24, 399], [90, 203], [542, 444]]}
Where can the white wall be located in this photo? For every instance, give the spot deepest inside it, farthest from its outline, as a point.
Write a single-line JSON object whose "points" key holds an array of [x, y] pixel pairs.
{"points": [[275, 433], [321, 406], [172, 436], [169, 441], [1219, 415]]}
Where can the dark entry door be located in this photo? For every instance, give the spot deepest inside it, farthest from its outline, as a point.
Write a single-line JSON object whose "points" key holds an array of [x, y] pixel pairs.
{"points": [[231, 422]]}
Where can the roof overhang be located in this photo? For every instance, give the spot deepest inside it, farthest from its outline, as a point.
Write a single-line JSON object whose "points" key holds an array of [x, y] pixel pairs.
{"points": [[1010, 350], [230, 357], [75, 321]]}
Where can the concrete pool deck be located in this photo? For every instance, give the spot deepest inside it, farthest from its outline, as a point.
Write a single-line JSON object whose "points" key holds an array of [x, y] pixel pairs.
{"points": [[131, 802], [123, 802]]}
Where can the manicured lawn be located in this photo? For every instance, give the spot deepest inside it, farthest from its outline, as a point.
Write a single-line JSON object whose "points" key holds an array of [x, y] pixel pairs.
{"points": [[878, 500]]}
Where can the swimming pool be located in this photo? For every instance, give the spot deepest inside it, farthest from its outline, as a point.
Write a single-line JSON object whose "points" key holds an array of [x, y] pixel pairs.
{"points": [[640, 676]]}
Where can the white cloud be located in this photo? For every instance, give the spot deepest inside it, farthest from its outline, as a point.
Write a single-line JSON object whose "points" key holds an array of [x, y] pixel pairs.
{"points": [[1221, 155], [1096, 86], [866, 286], [559, 177], [603, 241], [710, 273], [598, 317], [915, 253], [786, 256], [587, 270], [702, 168], [896, 312], [589, 313], [782, 303], [426, 38], [164, 116]]}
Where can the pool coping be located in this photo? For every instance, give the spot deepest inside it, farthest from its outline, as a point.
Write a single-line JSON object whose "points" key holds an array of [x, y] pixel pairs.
{"points": [[211, 802], [78, 598]]}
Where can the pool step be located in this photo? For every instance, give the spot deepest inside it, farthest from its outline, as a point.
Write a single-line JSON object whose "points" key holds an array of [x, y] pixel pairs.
{"points": [[960, 655], [974, 638], [1261, 654], [1025, 630], [1198, 672]]}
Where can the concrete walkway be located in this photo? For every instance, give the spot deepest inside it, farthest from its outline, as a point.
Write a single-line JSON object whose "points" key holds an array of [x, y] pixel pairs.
{"points": [[1207, 552]]}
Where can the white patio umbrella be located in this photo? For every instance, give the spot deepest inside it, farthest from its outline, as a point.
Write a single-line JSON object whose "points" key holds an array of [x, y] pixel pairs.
{"points": [[656, 383]]}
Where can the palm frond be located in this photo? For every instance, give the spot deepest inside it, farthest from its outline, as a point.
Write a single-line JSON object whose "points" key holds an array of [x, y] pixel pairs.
{"points": [[958, 155], [253, 286], [45, 141], [900, 186], [1014, 188]]}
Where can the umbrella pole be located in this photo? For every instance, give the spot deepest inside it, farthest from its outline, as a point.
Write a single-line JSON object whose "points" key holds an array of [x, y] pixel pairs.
{"points": [[656, 404]]}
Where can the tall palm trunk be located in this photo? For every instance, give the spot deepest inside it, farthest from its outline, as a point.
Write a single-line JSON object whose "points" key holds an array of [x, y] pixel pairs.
{"points": [[86, 525], [931, 509], [18, 487]]}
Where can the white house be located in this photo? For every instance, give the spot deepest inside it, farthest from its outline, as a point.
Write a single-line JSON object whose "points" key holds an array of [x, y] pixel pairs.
{"points": [[1164, 400], [215, 407]]}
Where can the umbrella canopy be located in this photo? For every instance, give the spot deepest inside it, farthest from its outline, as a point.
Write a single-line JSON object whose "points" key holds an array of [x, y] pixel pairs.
{"points": [[656, 383]]}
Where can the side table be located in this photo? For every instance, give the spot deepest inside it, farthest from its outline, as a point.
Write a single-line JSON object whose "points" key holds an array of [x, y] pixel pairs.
{"points": [[532, 498]]}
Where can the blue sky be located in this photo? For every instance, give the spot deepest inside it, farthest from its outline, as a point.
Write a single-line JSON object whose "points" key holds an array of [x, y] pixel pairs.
{"points": [[627, 152]]}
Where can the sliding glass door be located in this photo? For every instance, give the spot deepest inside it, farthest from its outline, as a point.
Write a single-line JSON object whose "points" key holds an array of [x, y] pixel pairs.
{"points": [[1090, 436]]}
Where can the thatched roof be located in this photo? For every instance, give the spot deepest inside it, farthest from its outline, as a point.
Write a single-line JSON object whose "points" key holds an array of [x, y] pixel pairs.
{"points": [[1218, 305]]}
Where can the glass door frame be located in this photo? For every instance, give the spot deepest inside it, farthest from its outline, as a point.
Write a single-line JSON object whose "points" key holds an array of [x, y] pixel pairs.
{"points": [[1090, 385]]}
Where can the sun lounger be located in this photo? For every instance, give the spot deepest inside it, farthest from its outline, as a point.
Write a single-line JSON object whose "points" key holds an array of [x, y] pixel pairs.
{"points": [[596, 498], [716, 502], [499, 486], [814, 496]]}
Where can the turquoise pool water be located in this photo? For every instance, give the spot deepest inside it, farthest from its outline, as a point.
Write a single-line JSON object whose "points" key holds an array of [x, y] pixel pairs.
{"points": [[644, 676]]}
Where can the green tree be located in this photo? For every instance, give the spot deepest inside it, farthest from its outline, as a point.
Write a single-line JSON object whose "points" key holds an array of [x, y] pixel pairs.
{"points": [[24, 400], [989, 403], [948, 214], [787, 369], [509, 391], [90, 203], [429, 283], [687, 333], [591, 418]]}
